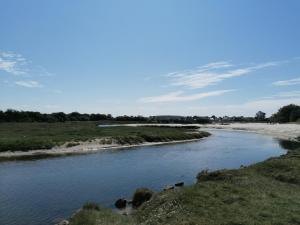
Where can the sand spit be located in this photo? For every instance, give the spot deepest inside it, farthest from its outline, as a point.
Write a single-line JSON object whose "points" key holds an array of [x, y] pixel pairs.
{"points": [[281, 131], [81, 148]]}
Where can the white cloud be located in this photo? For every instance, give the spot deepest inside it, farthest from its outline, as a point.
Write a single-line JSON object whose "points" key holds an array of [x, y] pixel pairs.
{"points": [[212, 74], [16, 64], [289, 94], [12, 63], [287, 82], [269, 106], [248, 108], [29, 84], [179, 97]]}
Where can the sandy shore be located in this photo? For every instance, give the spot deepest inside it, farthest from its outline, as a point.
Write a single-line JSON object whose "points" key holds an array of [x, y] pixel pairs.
{"points": [[281, 131], [82, 148]]}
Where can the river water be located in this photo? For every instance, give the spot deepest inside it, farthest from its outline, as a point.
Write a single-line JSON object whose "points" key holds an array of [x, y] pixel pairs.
{"points": [[41, 192]]}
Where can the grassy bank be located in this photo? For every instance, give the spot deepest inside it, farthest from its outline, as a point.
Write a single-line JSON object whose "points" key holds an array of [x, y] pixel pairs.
{"points": [[267, 193], [31, 136]]}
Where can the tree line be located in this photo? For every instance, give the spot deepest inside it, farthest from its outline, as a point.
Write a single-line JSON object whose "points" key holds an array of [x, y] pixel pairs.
{"points": [[11, 115], [288, 113]]}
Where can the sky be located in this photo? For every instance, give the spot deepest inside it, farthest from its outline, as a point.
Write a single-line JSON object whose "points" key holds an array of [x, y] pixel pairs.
{"points": [[138, 57]]}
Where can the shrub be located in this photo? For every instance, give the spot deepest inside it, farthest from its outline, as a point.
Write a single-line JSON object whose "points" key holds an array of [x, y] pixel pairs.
{"points": [[205, 175], [91, 206], [140, 196], [72, 144]]}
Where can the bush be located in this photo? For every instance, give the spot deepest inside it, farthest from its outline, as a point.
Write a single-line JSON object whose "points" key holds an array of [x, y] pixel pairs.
{"points": [[288, 113], [205, 175], [91, 206], [71, 144], [140, 196]]}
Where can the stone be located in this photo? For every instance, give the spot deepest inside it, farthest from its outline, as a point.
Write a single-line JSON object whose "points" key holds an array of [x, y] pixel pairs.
{"points": [[169, 187], [121, 203], [180, 184]]}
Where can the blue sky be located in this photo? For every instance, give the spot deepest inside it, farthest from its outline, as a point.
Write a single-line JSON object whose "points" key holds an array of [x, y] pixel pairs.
{"points": [[150, 57]]}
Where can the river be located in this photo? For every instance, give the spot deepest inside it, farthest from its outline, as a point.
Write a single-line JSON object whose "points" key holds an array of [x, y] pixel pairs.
{"points": [[44, 191]]}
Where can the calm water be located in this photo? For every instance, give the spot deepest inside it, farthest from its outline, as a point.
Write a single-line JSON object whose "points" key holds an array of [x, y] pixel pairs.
{"points": [[45, 191]]}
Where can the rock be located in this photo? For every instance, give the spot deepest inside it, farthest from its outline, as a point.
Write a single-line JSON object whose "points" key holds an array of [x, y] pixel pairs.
{"points": [[180, 184], [140, 196], [63, 222], [169, 187], [121, 203]]}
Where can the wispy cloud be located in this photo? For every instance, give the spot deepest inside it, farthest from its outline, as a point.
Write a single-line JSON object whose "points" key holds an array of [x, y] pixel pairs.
{"points": [[15, 64], [29, 84], [289, 94], [12, 63], [249, 108], [213, 73], [179, 97], [287, 82]]}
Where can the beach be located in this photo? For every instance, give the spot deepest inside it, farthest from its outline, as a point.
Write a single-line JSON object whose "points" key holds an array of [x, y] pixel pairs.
{"points": [[281, 131]]}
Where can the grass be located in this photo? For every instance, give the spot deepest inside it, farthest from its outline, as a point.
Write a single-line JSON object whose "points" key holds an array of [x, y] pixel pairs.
{"points": [[267, 193], [30, 136], [94, 215]]}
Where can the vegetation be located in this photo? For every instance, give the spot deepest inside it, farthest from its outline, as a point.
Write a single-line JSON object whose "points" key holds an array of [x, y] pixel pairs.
{"points": [[140, 196], [288, 113], [92, 214], [11, 115], [30, 136], [91, 206], [260, 116], [266, 193]]}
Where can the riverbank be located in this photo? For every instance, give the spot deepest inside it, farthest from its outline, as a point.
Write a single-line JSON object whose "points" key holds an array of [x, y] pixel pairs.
{"points": [[281, 131], [284, 131], [264, 193], [35, 140]]}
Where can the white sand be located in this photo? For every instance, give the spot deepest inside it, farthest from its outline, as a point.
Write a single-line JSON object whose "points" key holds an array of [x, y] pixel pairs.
{"points": [[282, 131], [82, 148]]}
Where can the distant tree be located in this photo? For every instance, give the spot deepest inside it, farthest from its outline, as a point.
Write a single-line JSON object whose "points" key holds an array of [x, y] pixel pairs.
{"points": [[60, 116], [97, 117], [295, 115], [2, 116], [288, 113], [260, 116], [73, 116]]}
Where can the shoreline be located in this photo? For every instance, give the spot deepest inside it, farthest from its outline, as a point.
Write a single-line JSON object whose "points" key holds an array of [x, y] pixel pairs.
{"points": [[289, 132], [284, 131], [83, 148]]}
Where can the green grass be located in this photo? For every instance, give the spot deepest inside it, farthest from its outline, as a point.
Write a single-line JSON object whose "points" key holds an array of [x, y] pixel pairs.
{"points": [[30, 136], [94, 215], [267, 193]]}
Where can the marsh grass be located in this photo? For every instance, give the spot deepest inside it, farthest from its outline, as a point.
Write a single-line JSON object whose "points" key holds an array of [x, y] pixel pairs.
{"points": [[92, 214], [31, 136]]}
